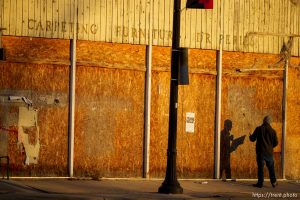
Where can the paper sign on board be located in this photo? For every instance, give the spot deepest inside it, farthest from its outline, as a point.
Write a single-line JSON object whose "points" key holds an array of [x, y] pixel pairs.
{"points": [[190, 122]]}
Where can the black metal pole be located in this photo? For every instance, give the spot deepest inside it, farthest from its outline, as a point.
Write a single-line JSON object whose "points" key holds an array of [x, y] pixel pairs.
{"points": [[171, 184]]}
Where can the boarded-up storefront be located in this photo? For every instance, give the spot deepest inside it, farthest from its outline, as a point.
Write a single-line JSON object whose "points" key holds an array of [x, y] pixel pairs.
{"points": [[110, 85], [110, 109]]}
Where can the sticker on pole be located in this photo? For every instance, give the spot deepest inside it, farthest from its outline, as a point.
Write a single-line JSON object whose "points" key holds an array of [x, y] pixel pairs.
{"points": [[200, 4], [190, 122]]}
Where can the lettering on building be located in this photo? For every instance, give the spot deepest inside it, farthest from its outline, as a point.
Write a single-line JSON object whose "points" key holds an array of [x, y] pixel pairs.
{"points": [[63, 26], [201, 38]]}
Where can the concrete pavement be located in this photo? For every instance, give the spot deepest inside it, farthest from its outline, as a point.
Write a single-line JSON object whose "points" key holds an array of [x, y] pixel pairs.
{"points": [[142, 189]]}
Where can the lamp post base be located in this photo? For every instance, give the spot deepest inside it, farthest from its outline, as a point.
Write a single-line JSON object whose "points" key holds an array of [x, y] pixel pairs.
{"points": [[169, 187]]}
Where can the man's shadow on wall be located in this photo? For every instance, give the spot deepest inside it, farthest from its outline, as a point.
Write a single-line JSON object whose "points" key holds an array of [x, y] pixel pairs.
{"points": [[228, 145]]}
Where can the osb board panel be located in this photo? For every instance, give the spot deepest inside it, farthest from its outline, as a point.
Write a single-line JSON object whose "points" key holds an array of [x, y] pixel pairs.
{"points": [[293, 125], [194, 150], [245, 101], [116, 54], [204, 59], [159, 122], [56, 80], [43, 78], [28, 48], [52, 51], [39, 83], [54, 141], [240, 60], [131, 56], [161, 57], [109, 122]]}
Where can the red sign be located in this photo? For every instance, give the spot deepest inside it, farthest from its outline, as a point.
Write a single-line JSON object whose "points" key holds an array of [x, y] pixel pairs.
{"points": [[200, 4]]}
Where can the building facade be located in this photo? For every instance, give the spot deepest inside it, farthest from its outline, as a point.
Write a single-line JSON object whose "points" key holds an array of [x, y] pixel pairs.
{"points": [[255, 38]]}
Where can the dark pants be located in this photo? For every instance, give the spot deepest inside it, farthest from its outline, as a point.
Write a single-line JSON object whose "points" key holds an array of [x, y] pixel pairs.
{"points": [[270, 165]]}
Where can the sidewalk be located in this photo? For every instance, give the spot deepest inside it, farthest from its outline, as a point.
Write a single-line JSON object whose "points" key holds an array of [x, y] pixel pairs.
{"points": [[142, 189]]}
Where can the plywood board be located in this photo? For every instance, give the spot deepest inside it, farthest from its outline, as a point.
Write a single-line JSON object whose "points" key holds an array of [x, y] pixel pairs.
{"points": [[110, 108], [34, 81]]}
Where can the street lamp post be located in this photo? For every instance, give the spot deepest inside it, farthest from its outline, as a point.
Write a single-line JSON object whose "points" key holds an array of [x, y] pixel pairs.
{"points": [[171, 184]]}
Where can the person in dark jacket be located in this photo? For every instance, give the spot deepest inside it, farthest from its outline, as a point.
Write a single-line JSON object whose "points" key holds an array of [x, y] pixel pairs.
{"points": [[266, 139]]}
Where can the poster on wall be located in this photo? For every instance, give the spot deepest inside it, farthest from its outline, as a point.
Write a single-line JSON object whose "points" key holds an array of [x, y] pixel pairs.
{"points": [[190, 122]]}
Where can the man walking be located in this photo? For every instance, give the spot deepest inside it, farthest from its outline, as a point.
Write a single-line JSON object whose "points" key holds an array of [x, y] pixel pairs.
{"points": [[266, 139]]}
